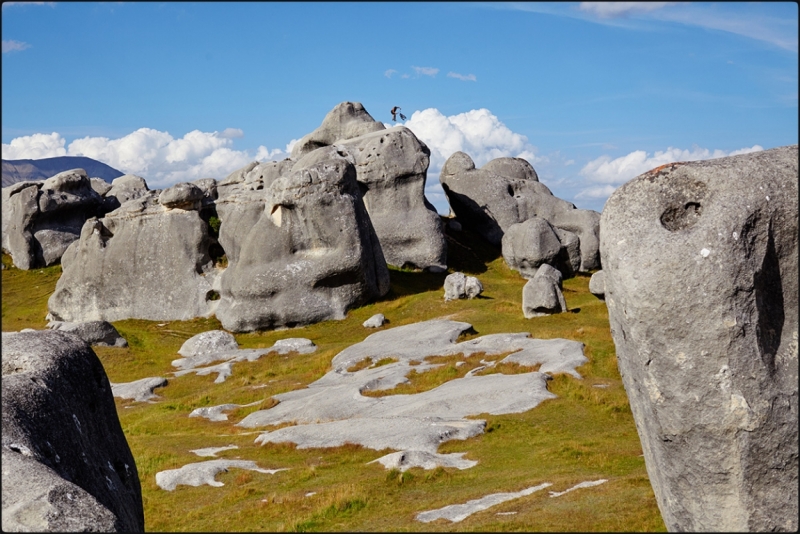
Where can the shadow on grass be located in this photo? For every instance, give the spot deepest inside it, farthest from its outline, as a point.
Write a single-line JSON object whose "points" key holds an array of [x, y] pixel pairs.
{"points": [[468, 252]]}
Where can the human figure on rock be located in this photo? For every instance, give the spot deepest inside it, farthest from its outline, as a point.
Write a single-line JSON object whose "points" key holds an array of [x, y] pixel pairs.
{"points": [[394, 113]]}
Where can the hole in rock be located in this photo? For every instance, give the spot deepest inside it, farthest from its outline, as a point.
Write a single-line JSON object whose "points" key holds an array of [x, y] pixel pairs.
{"points": [[212, 295], [681, 217]]}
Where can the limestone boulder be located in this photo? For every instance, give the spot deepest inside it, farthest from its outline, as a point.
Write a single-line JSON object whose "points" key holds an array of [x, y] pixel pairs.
{"points": [[126, 187], [41, 219], [143, 261], [597, 285], [529, 244], [311, 255], [701, 284], [92, 332], [66, 464], [542, 294], [346, 121], [182, 195], [459, 286], [507, 191], [391, 169]]}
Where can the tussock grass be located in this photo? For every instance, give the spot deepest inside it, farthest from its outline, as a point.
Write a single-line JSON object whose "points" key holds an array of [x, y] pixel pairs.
{"points": [[586, 433]]}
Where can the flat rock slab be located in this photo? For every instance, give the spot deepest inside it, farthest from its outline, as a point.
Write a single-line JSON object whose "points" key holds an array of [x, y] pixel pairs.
{"points": [[588, 484], [218, 345], [200, 473], [458, 512], [404, 460], [212, 451], [217, 413], [138, 390], [333, 411]]}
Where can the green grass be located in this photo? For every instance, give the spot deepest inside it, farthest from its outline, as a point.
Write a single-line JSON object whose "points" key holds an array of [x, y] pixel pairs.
{"points": [[586, 433]]}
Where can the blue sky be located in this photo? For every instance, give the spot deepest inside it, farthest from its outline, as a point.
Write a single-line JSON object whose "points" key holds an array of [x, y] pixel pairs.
{"points": [[591, 94]]}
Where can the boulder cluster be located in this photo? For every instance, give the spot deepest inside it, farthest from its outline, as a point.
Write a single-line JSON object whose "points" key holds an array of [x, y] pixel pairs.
{"points": [[283, 243]]}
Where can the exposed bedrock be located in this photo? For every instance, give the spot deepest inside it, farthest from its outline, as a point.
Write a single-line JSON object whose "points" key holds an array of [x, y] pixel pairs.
{"points": [[507, 191], [41, 219], [143, 260], [700, 263], [66, 463], [391, 169], [311, 255]]}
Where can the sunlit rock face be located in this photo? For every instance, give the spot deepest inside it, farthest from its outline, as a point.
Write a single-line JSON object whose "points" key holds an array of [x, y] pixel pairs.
{"points": [[391, 169], [700, 263], [507, 191], [311, 255]]}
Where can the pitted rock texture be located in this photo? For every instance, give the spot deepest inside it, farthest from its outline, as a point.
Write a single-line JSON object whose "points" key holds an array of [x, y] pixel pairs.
{"points": [[700, 261], [332, 411], [507, 191], [141, 261], [66, 464], [312, 254], [41, 219]]}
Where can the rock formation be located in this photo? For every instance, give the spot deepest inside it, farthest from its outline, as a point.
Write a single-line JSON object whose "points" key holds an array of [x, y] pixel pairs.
{"points": [[507, 191], [700, 261], [311, 255], [391, 169], [597, 285], [542, 294], [66, 464], [143, 260], [92, 332], [41, 219], [531, 243], [459, 286]]}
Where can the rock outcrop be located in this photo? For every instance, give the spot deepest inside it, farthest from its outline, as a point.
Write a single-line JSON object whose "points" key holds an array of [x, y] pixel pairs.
{"points": [[391, 169], [310, 256], [143, 260], [507, 191], [92, 332], [529, 244], [700, 261], [41, 219], [542, 294], [66, 464]]}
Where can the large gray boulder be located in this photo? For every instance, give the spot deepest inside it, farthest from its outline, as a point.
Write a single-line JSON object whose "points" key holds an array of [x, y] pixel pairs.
{"points": [[346, 121], [66, 464], [542, 294], [391, 169], [507, 191], [92, 332], [311, 255], [126, 187], [143, 261], [701, 284], [529, 244], [41, 219]]}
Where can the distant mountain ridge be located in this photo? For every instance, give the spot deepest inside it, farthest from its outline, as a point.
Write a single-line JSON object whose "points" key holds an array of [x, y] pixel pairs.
{"points": [[20, 170]]}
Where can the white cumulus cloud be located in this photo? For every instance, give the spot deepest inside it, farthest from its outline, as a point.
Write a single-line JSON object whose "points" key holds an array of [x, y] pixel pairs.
{"points": [[605, 174], [389, 73], [427, 71], [36, 146], [14, 46], [462, 77], [158, 157], [621, 9]]}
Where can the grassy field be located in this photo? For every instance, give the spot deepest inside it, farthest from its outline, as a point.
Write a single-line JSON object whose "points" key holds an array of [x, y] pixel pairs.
{"points": [[585, 434]]}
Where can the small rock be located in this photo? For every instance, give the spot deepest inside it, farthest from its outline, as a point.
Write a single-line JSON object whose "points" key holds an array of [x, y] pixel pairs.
{"points": [[597, 285], [542, 294], [376, 321]]}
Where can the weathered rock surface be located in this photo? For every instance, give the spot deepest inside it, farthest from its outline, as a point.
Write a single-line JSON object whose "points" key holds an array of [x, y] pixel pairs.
{"points": [[126, 187], [41, 219], [597, 285], [181, 195], [346, 121], [391, 169], [405, 460], [507, 191], [327, 410], [542, 294], [200, 473], [531, 243], [376, 321], [312, 254], [701, 270], [66, 464], [92, 332], [142, 261], [139, 390], [459, 286]]}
